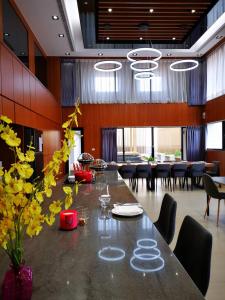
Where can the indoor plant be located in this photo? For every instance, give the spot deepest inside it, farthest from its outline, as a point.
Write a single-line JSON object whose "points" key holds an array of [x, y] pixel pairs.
{"points": [[21, 203]]}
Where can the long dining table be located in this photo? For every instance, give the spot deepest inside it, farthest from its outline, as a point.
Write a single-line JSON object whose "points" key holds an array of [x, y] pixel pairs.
{"points": [[107, 258]]}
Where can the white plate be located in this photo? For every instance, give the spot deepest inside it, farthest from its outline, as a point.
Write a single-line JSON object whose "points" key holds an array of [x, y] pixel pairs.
{"points": [[127, 211]]}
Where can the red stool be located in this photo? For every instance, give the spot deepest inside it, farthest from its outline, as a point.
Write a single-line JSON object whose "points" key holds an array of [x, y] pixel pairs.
{"points": [[68, 219]]}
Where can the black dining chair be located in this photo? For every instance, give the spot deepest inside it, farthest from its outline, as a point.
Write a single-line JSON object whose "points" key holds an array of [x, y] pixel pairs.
{"points": [[196, 171], [128, 172], [215, 170], [163, 171], [143, 171], [167, 218], [193, 250], [212, 192], [179, 171]]}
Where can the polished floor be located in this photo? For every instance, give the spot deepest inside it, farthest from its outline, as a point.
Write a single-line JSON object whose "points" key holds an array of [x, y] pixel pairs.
{"points": [[193, 203]]}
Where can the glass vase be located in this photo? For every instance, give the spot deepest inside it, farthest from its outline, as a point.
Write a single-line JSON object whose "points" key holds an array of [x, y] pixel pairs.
{"points": [[17, 284]]}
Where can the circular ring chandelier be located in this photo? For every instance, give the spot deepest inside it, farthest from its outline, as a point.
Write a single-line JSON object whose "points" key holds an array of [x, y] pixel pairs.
{"points": [[148, 61], [110, 62], [194, 62], [151, 50], [147, 243], [144, 75]]}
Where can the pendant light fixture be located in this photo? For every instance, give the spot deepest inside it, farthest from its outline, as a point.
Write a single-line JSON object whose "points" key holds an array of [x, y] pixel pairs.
{"points": [[108, 62], [194, 63]]}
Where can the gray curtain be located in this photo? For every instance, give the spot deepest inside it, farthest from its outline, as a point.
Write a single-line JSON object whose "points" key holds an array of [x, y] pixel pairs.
{"points": [[197, 84], [196, 143], [109, 144], [68, 83]]}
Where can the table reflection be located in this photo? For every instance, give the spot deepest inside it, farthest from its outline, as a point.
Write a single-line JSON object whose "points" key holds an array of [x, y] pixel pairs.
{"points": [[147, 257]]}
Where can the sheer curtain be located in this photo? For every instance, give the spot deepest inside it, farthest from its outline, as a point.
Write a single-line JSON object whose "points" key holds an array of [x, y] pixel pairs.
{"points": [[120, 87], [216, 73]]}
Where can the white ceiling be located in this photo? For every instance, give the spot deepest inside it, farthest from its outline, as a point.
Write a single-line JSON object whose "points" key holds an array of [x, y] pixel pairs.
{"points": [[38, 14]]}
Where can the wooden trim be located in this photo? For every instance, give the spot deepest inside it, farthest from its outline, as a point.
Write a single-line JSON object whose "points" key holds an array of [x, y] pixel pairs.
{"points": [[1, 22], [31, 58]]}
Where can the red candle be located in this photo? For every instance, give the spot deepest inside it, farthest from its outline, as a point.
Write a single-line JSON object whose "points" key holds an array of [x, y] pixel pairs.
{"points": [[68, 219]]}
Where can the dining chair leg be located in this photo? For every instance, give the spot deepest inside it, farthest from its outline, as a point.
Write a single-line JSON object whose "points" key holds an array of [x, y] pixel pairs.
{"points": [[218, 213], [207, 206]]}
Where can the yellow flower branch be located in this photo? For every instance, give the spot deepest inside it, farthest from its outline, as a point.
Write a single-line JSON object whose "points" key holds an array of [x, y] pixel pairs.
{"points": [[20, 199]]}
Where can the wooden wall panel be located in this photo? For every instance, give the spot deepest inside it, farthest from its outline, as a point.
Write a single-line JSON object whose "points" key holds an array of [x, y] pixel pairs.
{"points": [[32, 93], [7, 72], [0, 105], [23, 98], [54, 77], [0, 58], [18, 81], [94, 117], [26, 88], [8, 108], [215, 110], [24, 116]]}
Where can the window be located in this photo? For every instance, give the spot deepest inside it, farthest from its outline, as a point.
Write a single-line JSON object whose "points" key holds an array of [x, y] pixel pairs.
{"points": [[154, 84], [134, 143], [167, 143], [14, 32], [214, 135], [77, 150], [105, 84], [162, 143], [40, 66]]}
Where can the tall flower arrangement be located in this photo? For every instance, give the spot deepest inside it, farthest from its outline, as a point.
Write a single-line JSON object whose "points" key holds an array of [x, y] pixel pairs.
{"points": [[21, 200]]}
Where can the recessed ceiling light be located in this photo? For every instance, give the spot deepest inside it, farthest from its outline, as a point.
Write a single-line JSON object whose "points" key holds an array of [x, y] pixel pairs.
{"points": [[100, 54], [67, 53], [151, 10], [174, 38], [169, 54], [108, 38], [60, 35], [6, 34], [193, 11], [55, 18], [218, 37], [135, 54], [109, 9], [141, 38], [85, 3]]}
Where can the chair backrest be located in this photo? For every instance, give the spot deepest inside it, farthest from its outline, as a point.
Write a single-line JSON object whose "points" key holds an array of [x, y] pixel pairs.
{"points": [[111, 168], [180, 169], [210, 186], [193, 250], [127, 171], [216, 168], [167, 218], [163, 170], [143, 171], [197, 169]]}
